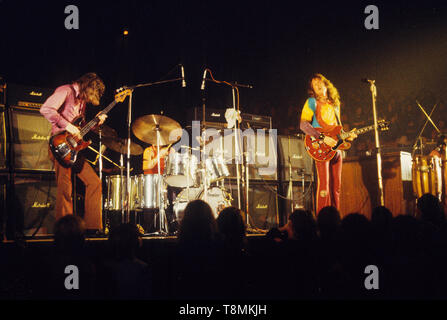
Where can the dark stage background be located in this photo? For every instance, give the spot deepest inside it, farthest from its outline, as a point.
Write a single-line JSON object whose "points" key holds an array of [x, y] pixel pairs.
{"points": [[273, 45]]}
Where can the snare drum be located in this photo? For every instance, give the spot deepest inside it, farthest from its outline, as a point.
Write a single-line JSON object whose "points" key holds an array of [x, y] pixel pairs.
{"points": [[181, 170], [427, 175], [215, 197]]}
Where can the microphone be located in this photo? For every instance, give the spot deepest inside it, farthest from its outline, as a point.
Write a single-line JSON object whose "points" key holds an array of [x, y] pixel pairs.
{"points": [[183, 76], [367, 80], [203, 80]]}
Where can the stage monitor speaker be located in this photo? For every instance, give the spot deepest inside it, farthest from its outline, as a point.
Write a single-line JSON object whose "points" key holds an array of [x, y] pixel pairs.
{"points": [[301, 162], [30, 133], [263, 204], [32, 204], [3, 141]]}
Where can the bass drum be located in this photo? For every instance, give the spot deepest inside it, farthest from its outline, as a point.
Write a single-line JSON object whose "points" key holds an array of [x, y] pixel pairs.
{"points": [[427, 175], [215, 197]]}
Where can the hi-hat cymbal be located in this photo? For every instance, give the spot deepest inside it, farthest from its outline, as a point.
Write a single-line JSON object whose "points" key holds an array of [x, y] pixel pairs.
{"points": [[106, 131], [145, 128], [120, 146]]}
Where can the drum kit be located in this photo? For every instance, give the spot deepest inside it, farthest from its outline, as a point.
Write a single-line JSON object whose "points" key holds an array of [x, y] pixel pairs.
{"points": [[193, 179], [429, 170]]}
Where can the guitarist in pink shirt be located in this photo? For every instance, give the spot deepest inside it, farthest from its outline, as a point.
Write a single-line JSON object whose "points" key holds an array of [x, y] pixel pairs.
{"points": [[322, 111], [67, 103]]}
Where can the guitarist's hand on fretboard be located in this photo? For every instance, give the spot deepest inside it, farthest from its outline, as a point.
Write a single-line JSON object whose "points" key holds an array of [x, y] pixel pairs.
{"points": [[352, 135], [102, 117]]}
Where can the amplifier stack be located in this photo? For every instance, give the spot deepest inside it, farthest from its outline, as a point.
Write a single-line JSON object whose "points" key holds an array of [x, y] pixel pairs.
{"points": [[280, 172], [27, 182]]}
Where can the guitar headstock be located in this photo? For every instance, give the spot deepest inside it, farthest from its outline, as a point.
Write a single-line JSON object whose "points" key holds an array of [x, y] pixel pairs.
{"points": [[383, 125], [121, 94]]}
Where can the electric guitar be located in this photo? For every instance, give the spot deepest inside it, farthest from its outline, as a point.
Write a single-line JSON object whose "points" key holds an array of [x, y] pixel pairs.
{"points": [[65, 147], [320, 151]]}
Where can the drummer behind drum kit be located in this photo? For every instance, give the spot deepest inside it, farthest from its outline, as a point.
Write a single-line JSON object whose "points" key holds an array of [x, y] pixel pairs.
{"points": [[149, 191]]}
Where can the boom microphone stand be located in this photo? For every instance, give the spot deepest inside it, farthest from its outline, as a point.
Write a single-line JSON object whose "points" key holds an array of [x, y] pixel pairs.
{"points": [[129, 120]]}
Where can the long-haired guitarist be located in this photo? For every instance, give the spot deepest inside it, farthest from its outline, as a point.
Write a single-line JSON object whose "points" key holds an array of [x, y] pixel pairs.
{"points": [[67, 103], [322, 111]]}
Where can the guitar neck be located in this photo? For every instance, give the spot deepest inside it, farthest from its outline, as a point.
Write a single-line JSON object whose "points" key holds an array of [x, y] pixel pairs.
{"points": [[94, 121], [363, 130]]}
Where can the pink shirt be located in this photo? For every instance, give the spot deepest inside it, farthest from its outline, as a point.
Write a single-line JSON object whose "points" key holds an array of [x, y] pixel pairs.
{"points": [[62, 107]]}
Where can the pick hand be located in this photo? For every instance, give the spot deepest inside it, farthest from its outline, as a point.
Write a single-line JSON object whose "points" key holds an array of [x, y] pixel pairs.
{"points": [[329, 141], [73, 130]]}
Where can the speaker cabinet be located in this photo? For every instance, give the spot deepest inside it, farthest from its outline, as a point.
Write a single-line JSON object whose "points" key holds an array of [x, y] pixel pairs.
{"points": [[263, 204], [301, 163], [301, 196], [32, 202], [4, 187], [30, 133], [3, 142], [260, 152]]}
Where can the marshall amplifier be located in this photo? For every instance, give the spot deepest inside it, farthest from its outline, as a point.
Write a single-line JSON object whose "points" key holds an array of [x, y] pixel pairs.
{"points": [[30, 133], [27, 96], [292, 148], [256, 121], [32, 203], [211, 118], [259, 149], [263, 204], [296, 196]]}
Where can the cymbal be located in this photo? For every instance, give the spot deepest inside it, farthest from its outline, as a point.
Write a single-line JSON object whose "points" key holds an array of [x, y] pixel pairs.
{"points": [[120, 146], [145, 128], [106, 131]]}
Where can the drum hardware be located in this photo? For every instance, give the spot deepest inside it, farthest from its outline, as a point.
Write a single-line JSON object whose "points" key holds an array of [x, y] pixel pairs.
{"points": [[129, 121], [103, 156]]}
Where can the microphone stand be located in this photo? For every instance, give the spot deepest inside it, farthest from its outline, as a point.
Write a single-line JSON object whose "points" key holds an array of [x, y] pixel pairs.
{"points": [[235, 85], [129, 120], [373, 89]]}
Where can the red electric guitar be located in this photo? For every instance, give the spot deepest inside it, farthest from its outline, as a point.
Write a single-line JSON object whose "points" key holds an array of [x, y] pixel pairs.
{"points": [[320, 151], [65, 147]]}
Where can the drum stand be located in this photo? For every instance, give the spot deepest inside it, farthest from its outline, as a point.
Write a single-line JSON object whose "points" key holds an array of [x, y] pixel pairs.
{"points": [[162, 228]]}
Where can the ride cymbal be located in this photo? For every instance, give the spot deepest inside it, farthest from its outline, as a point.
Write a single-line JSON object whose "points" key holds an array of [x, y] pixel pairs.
{"points": [[145, 128], [106, 131]]}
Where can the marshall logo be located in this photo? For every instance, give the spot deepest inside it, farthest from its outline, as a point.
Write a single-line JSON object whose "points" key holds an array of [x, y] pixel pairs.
{"points": [[296, 156], [37, 137], [37, 94], [216, 115], [261, 206], [41, 205]]}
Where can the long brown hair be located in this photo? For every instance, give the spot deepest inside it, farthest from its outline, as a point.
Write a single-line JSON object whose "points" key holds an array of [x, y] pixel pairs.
{"points": [[90, 81], [333, 96]]}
